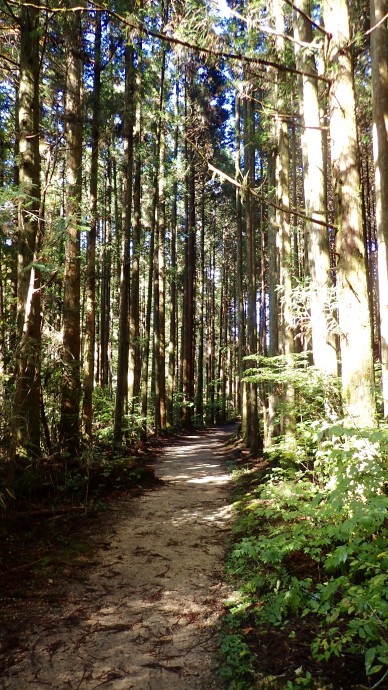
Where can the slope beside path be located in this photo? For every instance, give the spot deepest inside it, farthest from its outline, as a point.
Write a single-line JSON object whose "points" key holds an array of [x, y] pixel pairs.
{"points": [[146, 617]]}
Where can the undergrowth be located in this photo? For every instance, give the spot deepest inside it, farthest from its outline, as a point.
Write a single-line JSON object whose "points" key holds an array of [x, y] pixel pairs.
{"points": [[309, 561]]}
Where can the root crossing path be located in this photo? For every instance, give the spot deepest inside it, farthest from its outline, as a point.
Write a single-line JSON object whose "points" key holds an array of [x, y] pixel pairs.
{"points": [[146, 617]]}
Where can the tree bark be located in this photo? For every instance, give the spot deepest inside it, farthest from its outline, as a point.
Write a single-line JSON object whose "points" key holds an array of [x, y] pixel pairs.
{"points": [[123, 345], [134, 310], [352, 290], [70, 402], [189, 289], [90, 318], [318, 255], [26, 412], [379, 48]]}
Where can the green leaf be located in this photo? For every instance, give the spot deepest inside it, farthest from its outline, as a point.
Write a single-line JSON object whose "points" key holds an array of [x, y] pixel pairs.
{"points": [[374, 669]]}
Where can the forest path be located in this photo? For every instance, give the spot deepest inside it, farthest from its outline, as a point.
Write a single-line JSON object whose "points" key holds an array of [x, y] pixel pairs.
{"points": [[146, 617]]}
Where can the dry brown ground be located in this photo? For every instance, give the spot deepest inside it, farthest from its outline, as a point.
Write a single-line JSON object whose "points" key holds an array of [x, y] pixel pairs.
{"points": [[146, 616]]}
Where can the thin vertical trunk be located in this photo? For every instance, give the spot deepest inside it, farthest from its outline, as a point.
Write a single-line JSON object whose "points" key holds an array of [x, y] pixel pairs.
{"points": [[123, 346], [70, 402], [172, 347], [158, 259], [240, 262], [26, 412], [379, 46], [134, 311], [252, 430], [147, 336], [106, 281], [201, 328], [189, 289], [90, 318]]}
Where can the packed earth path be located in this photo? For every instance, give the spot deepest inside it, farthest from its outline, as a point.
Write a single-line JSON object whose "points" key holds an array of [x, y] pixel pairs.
{"points": [[146, 616]]}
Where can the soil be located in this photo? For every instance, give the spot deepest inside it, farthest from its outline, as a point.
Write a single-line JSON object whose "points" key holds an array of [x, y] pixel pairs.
{"points": [[140, 606]]}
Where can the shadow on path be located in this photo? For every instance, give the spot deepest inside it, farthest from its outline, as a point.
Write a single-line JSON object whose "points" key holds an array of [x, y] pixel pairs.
{"points": [[147, 616]]}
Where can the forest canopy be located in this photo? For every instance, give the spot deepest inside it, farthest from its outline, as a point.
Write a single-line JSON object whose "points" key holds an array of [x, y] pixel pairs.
{"points": [[193, 205], [185, 187]]}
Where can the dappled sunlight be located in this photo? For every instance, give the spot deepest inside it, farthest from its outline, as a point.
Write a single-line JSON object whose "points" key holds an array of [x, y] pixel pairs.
{"points": [[218, 516], [211, 478]]}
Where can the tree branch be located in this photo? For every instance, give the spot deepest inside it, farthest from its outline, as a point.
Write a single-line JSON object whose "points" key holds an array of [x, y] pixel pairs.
{"points": [[306, 16], [266, 201], [173, 40]]}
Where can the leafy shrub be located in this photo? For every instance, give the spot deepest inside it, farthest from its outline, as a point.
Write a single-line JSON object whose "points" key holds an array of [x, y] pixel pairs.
{"points": [[311, 541]]}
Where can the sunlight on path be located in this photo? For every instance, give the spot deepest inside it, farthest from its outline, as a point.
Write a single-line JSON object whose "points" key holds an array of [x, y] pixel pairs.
{"points": [[147, 617]]}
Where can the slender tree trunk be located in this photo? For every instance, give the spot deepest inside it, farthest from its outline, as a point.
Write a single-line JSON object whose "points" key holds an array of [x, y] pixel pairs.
{"points": [[70, 402], [172, 347], [318, 254], [352, 290], [159, 295], [252, 431], [379, 47], [90, 325], [123, 345], [26, 412], [201, 329], [240, 264], [134, 313], [147, 336], [106, 281], [189, 289]]}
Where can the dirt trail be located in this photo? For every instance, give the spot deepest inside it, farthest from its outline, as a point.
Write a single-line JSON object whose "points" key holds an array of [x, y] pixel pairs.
{"points": [[146, 618]]}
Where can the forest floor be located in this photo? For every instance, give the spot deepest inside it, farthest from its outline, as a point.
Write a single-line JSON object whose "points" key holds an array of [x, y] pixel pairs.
{"points": [[139, 602]]}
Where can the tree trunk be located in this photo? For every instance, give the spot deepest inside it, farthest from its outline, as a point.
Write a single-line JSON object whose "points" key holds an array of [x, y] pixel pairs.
{"points": [[90, 319], [201, 328], [252, 430], [189, 289], [123, 345], [106, 281], [379, 47], [134, 311], [172, 347], [352, 290], [318, 255], [240, 265], [26, 412], [70, 402]]}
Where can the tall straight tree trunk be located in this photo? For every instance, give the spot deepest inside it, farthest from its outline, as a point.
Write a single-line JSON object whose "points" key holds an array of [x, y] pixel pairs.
{"points": [[159, 294], [352, 289], [106, 280], [240, 264], [172, 347], [201, 328], [189, 289], [70, 402], [147, 334], [162, 288], [134, 312], [159, 380], [26, 412], [211, 338], [90, 325], [123, 345], [270, 423], [252, 430], [379, 47], [318, 255], [283, 221]]}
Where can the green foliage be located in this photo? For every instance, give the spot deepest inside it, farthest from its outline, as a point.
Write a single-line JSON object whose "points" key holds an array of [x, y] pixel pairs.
{"points": [[311, 541], [236, 665]]}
